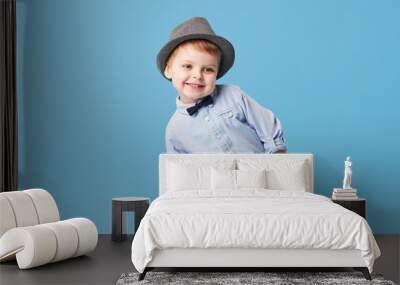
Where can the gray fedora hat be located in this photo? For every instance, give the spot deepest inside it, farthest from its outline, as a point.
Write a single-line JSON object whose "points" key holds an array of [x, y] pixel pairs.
{"points": [[197, 28]]}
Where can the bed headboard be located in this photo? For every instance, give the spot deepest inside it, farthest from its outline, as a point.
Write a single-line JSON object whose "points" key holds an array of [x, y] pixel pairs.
{"points": [[165, 158]]}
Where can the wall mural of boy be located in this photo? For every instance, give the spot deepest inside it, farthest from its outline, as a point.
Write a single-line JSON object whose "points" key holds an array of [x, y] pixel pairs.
{"points": [[212, 118]]}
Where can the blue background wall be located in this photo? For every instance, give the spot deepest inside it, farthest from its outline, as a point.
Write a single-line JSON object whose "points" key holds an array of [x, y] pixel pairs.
{"points": [[93, 107]]}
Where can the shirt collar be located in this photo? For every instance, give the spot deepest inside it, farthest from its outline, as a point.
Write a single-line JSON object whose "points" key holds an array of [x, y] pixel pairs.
{"points": [[181, 107]]}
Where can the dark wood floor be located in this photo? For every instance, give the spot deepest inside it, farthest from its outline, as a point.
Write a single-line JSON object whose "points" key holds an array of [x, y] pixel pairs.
{"points": [[111, 259]]}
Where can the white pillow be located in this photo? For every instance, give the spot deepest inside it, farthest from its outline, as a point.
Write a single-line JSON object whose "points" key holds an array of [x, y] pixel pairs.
{"points": [[223, 179], [237, 179], [251, 178], [188, 175], [281, 174]]}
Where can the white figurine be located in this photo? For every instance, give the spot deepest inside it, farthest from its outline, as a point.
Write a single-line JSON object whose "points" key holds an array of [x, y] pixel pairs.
{"points": [[347, 174]]}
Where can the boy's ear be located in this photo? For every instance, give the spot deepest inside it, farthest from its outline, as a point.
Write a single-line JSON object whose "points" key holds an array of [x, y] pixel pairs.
{"points": [[167, 72]]}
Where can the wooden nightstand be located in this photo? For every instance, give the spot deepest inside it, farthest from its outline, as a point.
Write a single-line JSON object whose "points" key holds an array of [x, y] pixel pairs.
{"points": [[357, 205]]}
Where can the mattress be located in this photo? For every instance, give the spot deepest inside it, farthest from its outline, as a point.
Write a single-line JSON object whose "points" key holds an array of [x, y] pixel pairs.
{"points": [[250, 219]]}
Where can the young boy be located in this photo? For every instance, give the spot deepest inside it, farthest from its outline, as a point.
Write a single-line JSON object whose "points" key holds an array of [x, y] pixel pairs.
{"points": [[209, 117]]}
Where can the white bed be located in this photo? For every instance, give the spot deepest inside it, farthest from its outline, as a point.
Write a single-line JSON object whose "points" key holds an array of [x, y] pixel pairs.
{"points": [[247, 210]]}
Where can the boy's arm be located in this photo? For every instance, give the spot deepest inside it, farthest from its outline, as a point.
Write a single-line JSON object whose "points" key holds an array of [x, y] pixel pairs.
{"points": [[171, 143], [169, 147], [267, 126], [168, 144]]}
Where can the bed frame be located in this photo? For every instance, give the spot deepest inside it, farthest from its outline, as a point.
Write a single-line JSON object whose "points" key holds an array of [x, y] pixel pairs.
{"points": [[242, 259]]}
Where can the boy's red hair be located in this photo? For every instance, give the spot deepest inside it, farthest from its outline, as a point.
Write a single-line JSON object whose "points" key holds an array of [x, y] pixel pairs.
{"points": [[200, 45]]}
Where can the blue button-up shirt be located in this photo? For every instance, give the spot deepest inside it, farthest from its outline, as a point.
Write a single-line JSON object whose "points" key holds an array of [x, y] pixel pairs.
{"points": [[234, 123]]}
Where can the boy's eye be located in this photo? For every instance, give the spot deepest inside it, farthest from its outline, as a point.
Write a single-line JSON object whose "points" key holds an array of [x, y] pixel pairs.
{"points": [[209, 70], [186, 66]]}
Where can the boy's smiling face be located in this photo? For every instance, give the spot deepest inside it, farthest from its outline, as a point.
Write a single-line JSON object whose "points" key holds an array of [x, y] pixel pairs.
{"points": [[192, 72]]}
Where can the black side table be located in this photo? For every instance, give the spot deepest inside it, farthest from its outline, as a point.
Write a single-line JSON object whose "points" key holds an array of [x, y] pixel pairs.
{"points": [[120, 206], [358, 206]]}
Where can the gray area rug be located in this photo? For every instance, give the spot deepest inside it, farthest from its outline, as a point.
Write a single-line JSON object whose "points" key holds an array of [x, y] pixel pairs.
{"points": [[229, 278]]}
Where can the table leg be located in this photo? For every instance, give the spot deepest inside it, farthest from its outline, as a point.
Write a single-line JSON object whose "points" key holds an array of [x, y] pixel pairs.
{"points": [[118, 222]]}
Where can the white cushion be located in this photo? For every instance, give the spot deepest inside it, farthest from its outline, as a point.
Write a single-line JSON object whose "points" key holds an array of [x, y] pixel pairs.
{"points": [[46, 207], [67, 239], [40, 244], [23, 208], [32, 246], [7, 220], [185, 175], [27, 208], [223, 179], [237, 179], [281, 174], [251, 178], [87, 233]]}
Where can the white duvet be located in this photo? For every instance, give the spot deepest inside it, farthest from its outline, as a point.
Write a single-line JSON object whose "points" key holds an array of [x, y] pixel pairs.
{"points": [[250, 218]]}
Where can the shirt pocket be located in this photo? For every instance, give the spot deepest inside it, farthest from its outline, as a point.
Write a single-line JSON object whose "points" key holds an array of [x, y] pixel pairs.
{"points": [[226, 114], [229, 118]]}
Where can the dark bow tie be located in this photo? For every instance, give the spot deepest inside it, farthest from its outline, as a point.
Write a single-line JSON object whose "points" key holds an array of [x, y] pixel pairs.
{"points": [[205, 102]]}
